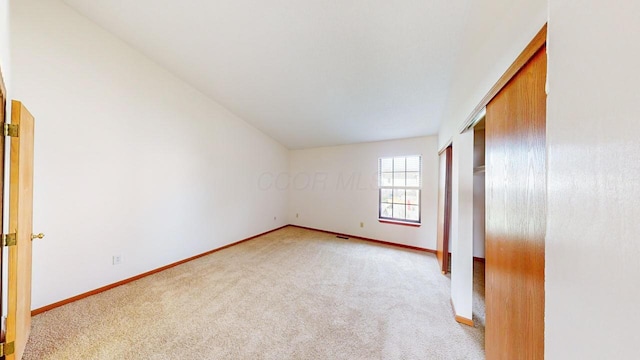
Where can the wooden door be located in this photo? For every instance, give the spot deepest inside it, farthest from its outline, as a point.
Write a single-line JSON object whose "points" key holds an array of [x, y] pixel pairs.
{"points": [[20, 223], [516, 215], [444, 209]]}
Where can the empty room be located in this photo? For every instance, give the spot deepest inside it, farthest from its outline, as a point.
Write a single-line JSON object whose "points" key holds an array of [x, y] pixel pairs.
{"points": [[319, 179]]}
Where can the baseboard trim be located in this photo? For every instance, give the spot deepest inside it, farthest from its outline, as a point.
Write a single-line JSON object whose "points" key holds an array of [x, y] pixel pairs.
{"points": [[461, 319], [464, 321], [367, 239], [138, 277]]}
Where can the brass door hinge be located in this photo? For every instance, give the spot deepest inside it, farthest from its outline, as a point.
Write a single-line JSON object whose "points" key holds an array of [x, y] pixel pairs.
{"points": [[11, 130], [7, 349], [9, 239]]}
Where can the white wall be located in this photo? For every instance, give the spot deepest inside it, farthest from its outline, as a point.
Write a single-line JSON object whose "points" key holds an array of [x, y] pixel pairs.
{"points": [[129, 160], [479, 215], [478, 194], [462, 225], [335, 188], [4, 42], [593, 234], [5, 66], [497, 32]]}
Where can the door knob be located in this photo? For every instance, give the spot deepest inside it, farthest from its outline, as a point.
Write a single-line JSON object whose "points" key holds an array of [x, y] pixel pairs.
{"points": [[39, 236]]}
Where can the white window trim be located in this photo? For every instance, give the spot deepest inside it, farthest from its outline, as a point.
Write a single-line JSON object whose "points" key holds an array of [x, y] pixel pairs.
{"points": [[393, 220]]}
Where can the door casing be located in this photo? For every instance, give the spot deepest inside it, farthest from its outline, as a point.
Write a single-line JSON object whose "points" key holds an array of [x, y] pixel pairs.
{"points": [[444, 209]]}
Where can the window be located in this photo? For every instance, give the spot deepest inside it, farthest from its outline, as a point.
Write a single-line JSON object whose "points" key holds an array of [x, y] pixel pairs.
{"points": [[399, 182]]}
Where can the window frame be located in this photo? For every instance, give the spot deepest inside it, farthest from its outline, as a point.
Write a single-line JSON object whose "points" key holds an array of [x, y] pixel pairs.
{"points": [[405, 187]]}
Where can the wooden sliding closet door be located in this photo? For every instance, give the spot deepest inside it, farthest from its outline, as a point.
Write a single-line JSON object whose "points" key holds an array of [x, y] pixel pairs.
{"points": [[516, 215]]}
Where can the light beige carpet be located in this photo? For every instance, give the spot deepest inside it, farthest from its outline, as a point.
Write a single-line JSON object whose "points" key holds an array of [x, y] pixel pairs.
{"points": [[291, 294]]}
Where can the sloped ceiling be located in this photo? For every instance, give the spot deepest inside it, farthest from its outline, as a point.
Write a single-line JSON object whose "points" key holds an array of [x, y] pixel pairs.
{"points": [[308, 73]]}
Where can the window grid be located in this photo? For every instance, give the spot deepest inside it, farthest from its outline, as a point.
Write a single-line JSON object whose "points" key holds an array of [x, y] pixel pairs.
{"points": [[399, 188]]}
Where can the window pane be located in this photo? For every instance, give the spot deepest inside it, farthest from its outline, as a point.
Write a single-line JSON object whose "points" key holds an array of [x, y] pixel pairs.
{"points": [[387, 179], [413, 179], [413, 197], [399, 179], [386, 195], [398, 196], [386, 165], [398, 211], [386, 210], [413, 163], [413, 213], [398, 164]]}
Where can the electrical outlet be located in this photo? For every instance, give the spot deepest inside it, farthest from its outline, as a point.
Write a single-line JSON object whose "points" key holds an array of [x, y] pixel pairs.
{"points": [[274, 218], [361, 224], [117, 259], [296, 215]]}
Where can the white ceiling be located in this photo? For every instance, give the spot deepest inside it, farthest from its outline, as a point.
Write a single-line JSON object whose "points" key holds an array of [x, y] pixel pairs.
{"points": [[306, 72]]}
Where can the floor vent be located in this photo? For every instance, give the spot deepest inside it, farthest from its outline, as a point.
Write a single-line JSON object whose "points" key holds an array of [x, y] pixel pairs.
{"points": [[342, 237]]}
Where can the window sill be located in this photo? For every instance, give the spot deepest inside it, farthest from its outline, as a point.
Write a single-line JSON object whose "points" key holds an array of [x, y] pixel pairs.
{"points": [[398, 222]]}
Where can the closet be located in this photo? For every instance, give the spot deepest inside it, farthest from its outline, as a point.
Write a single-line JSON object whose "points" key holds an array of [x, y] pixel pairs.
{"points": [[510, 136]]}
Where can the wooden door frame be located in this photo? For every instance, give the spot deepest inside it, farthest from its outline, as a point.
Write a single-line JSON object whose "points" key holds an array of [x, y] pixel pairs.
{"points": [[443, 252]]}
